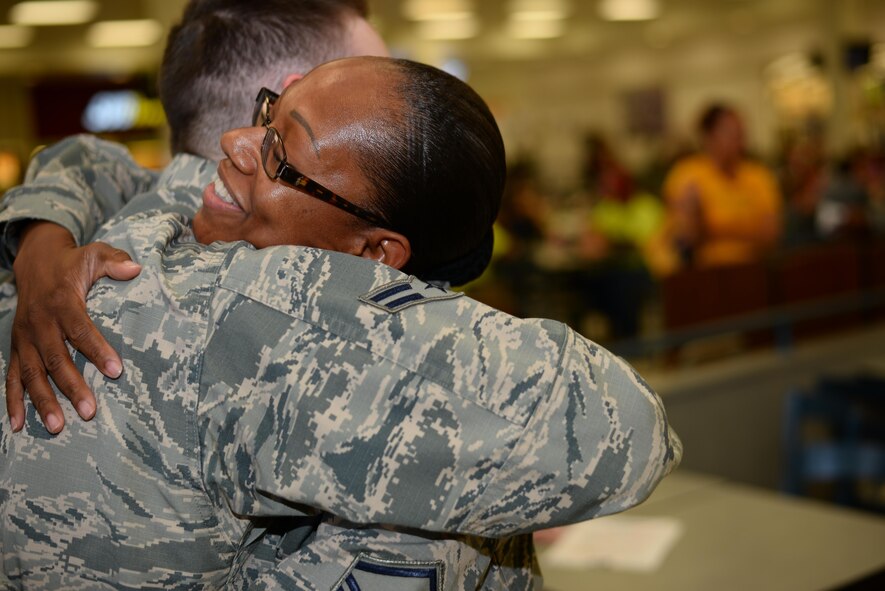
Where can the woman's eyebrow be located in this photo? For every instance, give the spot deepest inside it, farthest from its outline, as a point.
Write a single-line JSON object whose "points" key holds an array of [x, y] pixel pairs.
{"points": [[294, 114]]}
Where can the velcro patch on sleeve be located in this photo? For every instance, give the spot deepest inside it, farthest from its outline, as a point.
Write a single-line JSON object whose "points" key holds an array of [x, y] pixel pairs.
{"points": [[403, 293]]}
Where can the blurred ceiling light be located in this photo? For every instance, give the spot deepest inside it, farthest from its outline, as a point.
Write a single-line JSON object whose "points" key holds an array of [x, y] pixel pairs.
{"points": [[437, 10], [538, 10], [12, 36], [544, 29], [791, 67], [539, 29], [461, 28], [53, 12], [134, 33], [629, 10]]}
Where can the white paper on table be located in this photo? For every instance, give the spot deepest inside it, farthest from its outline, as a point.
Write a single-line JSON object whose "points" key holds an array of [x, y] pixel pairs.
{"points": [[620, 542]]}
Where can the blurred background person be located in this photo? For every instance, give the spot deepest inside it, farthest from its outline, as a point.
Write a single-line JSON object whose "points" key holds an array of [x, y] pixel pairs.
{"points": [[723, 207], [845, 208], [520, 230], [803, 177], [620, 221]]}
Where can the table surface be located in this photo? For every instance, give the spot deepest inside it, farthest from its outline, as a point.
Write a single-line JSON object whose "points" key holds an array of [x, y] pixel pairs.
{"points": [[738, 537]]}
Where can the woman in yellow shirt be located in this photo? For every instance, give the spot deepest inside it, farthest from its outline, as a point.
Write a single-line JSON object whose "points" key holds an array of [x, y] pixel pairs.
{"points": [[723, 208]]}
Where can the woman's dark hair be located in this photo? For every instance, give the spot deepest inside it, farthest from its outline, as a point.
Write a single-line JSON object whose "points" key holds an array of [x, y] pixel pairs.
{"points": [[441, 184], [711, 116], [223, 51]]}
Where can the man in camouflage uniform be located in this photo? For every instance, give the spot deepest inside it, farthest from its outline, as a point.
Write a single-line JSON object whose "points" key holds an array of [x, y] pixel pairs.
{"points": [[289, 382]]}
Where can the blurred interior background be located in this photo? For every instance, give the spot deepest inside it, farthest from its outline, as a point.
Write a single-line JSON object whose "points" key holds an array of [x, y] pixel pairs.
{"points": [[598, 101]]}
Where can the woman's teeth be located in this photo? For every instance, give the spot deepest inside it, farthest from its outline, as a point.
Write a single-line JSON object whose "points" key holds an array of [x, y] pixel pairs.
{"points": [[223, 193]]}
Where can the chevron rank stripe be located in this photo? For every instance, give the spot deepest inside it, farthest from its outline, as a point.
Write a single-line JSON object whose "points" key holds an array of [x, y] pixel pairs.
{"points": [[401, 294]]}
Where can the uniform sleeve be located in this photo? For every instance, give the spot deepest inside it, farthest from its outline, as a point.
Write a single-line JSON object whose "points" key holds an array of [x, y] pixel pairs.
{"points": [[78, 183], [310, 411], [599, 443]]}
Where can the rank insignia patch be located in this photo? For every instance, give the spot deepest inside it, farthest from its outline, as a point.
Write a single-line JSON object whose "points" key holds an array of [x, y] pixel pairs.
{"points": [[398, 295], [369, 573]]}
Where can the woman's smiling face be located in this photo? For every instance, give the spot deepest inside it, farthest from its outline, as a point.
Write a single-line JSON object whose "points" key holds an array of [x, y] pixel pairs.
{"points": [[319, 118]]}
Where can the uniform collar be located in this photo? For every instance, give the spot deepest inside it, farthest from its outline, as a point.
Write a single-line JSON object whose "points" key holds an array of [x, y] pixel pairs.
{"points": [[189, 170]]}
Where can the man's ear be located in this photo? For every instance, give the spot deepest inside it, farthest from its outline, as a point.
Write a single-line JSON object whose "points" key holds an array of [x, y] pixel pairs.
{"points": [[388, 247], [290, 79]]}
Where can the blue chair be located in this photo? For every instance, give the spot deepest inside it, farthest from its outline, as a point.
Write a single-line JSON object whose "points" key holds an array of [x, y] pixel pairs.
{"points": [[834, 440]]}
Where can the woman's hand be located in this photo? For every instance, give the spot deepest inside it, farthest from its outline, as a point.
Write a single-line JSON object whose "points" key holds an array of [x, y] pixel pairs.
{"points": [[53, 276]]}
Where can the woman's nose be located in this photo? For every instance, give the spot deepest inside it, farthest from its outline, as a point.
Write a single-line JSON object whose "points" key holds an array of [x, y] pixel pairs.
{"points": [[243, 147]]}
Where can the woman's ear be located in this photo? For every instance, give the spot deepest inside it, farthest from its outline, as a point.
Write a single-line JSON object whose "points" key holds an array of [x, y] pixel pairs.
{"points": [[388, 247], [291, 78]]}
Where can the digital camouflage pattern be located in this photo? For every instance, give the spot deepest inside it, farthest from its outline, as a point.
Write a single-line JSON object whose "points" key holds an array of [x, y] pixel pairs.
{"points": [[267, 417]]}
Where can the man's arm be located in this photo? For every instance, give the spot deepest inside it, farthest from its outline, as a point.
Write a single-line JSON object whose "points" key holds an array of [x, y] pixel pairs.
{"points": [[445, 416], [70, 189], [78, 183]]}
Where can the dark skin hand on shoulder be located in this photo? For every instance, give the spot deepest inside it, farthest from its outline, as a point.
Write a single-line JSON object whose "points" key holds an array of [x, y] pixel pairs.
{"points": [[53, 276]]}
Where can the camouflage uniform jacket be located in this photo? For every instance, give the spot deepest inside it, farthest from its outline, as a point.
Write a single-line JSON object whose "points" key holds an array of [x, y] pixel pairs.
{"points": [[310, 389]]}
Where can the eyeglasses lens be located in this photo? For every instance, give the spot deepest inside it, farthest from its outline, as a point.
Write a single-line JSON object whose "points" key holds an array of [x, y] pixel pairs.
{"points": [[273, 154]]}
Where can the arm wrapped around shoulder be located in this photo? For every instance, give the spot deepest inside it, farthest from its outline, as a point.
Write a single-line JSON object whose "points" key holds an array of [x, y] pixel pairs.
{"points": [[78, 183], [446, 416], [597, 443]]}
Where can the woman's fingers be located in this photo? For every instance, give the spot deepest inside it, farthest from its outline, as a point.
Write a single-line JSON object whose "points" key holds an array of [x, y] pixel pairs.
{"points": [[54, 276]]}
